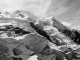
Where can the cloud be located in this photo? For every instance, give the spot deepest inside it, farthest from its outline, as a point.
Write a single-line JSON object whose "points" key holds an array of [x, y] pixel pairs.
{"points": [[41, 12], [66, 23], [12, 5], [57, 8], [76, 27]]}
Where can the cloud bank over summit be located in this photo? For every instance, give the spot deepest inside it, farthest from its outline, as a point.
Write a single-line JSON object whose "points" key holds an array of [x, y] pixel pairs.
{"points": [[62, 10]]}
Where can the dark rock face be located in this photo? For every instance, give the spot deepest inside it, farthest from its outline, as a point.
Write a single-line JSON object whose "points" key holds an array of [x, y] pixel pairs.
{"points": [[59, 55], [35, 42], [46, 51], [16, 51], [9, 27], [74, 35], [40, 30], [47, 57], [71, 33], [16, 30], [4, 51], [11, 51], [16, 58]]}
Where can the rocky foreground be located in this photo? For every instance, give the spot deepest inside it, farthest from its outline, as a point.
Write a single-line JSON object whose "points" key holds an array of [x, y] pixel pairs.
{"points": [[23, 36]]}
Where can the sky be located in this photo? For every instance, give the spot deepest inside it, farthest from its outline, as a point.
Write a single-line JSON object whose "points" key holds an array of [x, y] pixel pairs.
{"points": [[65, 11]]}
